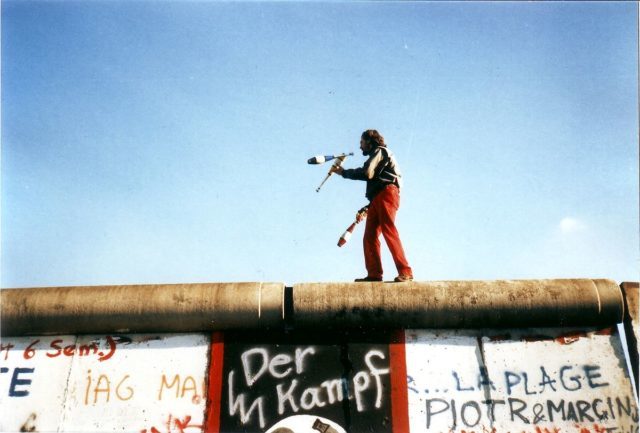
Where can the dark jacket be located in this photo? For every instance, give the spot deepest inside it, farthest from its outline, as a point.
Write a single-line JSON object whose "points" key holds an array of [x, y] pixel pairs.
{"points": [[380, 170]]}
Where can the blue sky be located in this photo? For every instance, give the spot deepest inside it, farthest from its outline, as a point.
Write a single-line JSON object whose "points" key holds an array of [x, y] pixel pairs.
{"points": [[165, 142]]}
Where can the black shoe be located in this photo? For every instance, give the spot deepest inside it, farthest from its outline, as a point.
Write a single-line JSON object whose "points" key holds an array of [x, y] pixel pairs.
{"points": [[366, 279], [403, 278]]}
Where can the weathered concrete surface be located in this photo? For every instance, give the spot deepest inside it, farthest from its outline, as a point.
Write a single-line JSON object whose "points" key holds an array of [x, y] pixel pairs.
{"points": [[221, 306], [103, 383], [149, 382], [459, 304], [32, 394], [433, 381], [494, 378], [631, 292], [141, 308], [544, 380]]}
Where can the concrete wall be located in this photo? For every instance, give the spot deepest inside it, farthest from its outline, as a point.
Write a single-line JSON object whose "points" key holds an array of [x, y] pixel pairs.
{"points": [[223, 306], [102, 383], [514, 380], [631, 294], [261, 357]]}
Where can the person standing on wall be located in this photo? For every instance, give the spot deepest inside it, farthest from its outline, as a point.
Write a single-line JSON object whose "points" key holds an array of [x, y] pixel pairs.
{"points": [[383, 178]]}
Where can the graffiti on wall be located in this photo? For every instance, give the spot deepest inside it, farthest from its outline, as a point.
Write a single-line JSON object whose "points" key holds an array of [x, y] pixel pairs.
{"points": [[104, 383], [611, 404], [530, 386], [279, 383], [23, 370], [332, 386]]}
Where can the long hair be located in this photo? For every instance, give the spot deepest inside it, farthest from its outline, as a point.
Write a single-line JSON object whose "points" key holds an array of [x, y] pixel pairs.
{"points": [[373, 137]]}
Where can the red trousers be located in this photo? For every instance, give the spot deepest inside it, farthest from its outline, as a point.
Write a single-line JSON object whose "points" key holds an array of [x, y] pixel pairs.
{"points": [[381, 219]]}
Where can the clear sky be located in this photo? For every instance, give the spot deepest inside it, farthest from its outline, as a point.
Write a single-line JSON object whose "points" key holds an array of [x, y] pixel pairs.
{"points": [[166, 142]]}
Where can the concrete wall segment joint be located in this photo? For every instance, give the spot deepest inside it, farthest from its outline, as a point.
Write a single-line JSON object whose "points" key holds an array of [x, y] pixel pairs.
{"points": [[595, 288], [260, 301]]}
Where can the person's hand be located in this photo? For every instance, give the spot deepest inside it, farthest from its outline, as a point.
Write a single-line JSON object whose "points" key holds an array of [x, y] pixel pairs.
{"points": [[337, 170], [362, 214]]}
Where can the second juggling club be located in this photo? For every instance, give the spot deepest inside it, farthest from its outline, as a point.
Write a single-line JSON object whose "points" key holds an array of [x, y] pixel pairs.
{"points": [[362, 214], [323, 158]]}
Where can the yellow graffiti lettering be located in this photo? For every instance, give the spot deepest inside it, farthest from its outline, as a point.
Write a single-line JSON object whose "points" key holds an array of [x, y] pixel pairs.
{"points": [[128, 388], [191, 386], [163, 383], [86, 392], [106, 389]]}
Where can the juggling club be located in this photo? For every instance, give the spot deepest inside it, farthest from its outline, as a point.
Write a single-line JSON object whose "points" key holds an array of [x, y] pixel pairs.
{"points": [[361, 215], [347, 234]]}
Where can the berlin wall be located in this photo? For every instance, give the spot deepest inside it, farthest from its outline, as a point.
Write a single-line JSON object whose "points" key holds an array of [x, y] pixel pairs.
{"points": [[326, 377]]}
